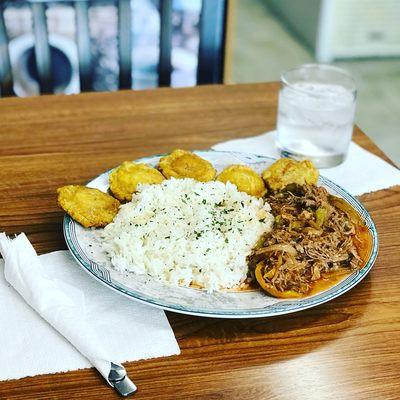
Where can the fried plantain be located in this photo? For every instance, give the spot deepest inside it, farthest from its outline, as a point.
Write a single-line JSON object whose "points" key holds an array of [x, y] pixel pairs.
{"points": [[185, 164], [245, 178], [286, 171], [90, 207], [124, 179]]}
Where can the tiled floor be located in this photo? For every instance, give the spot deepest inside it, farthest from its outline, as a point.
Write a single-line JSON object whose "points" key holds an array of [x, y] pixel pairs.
{"points": [[262, 48]]}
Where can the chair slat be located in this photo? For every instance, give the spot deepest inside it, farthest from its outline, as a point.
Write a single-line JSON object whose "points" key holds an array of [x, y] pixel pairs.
{"points": [[212, 37], [83, 42], [164, 64], [42, 47], [6, 81], [125, 44]]}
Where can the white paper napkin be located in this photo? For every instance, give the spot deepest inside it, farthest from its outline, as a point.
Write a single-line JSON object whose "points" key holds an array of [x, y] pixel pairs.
{"points": [[361, 172], [102, 325]]}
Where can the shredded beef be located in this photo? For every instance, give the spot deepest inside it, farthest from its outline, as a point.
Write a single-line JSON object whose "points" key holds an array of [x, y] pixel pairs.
{"points": [[310, 238]]}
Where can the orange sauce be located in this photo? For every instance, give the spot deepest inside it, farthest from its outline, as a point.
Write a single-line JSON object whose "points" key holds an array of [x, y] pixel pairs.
{"points": [[327, 281], [363, 242]]}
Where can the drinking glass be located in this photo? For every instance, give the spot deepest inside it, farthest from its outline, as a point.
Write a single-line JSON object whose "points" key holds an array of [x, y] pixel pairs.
{"points": [[316, 114]]}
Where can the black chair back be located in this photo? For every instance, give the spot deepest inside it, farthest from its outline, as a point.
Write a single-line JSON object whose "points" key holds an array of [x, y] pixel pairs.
{"points": [[212, 27]]}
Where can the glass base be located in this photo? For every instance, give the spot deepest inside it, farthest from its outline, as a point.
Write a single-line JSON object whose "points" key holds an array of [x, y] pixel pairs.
{"points": [[319, 162]]}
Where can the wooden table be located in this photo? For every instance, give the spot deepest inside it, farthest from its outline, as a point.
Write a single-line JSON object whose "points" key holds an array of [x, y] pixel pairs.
{"points": [[348, 348]]}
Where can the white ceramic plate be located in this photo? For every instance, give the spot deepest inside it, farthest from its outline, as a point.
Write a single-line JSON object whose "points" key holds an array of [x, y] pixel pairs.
{"points": [[85, 248]]}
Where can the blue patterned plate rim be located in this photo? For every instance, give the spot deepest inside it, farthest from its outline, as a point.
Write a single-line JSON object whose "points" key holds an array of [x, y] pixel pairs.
{"points": [[280, 308]]}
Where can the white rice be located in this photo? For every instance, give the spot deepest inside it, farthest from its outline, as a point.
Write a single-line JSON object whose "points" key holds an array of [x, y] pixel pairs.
{"points": [[185, 232]]}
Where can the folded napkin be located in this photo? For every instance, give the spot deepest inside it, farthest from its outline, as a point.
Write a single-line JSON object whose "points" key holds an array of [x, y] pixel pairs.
{"points": [[93, 325], [361, 172]]}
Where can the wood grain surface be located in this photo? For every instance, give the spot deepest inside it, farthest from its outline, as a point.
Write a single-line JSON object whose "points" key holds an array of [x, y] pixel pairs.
{"points": [[348, 348]]}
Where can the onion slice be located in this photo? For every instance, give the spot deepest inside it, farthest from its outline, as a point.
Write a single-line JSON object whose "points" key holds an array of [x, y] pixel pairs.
{"points": [[286, 248]]}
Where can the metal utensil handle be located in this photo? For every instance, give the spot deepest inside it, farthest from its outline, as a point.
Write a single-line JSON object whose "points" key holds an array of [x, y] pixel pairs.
{"points": [[119, 379]]}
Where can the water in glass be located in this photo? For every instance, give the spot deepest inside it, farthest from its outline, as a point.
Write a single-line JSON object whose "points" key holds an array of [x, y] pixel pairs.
{"points": [[315, 121]]}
